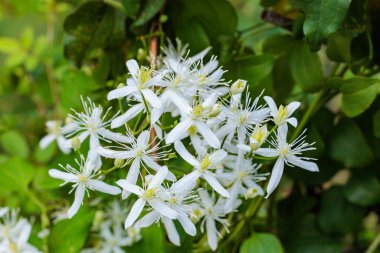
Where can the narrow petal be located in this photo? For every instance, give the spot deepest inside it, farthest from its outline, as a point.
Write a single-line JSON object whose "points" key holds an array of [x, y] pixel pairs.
{"points": [[292, 121], [103, 187], [67, 177], [186, 181], [114, 154], [118, 137], [282, 133], [182, 151], [214, 183], [128, 115], [162, 208], [197, 144], [275, 178], [234, 192], [292, 107], [46, 140], [121, 92], [159, 177], [129, 187], [212, 237], [178, 130], [62, 144], [133, 67], [151, 163], [135, 212], [180, 102], [272, 105], [151, 98], [134, 171], [266, 152], [210, 100], [310, 166], [172, 232], [207, 134], [187, 225], [78, 199], [147, 220], [244, 147], [144, 138], [218, 156]]}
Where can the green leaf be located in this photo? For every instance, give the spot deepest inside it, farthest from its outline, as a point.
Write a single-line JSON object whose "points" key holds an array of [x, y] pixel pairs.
{"points": [[322, 18], [131, 7], [337, 214], [306, 67], [14, 144], [349, 146], [261, 243], [16, 174], [44, 155], [9, 45], [89, 27], [339, 47], [363, 189], [358, 93], [376, 124], [152, 238], [69, 236], [149, 10]]}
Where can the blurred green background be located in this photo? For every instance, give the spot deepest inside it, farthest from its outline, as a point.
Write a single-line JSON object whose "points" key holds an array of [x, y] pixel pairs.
{"points": [[322, 53]]}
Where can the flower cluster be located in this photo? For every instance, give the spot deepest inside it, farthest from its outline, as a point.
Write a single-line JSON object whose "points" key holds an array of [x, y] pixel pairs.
{"points": [[183, 109], [14, 232]]}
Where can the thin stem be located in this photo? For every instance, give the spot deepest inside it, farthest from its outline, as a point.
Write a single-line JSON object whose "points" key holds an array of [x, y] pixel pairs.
{"points": [[374, 245]]}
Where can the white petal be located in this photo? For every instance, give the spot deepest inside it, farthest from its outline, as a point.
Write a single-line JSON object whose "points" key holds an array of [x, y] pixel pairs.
{"points": [[214, 183], [282, 133], [211, 100], [187, 225], [199, 55], [135, 212], [182, 151], [272, 105], [162, 208], [234, 192], [311, 166], [266, 152], [292, 121], [121, 92], [134, 171], [172, 232], [115, 154], [129, 187], [275, 178], [147, 220], [143, 138], [244, 147], [118, 137], [180, 102], [151, 98], [46, 140], [128, 115], [151, 163], [133, 67], [211, 233], [197, 144], [67, 177], [186, 182], [178, 130], [158, 131], [103, 187], [218, 156], [159, 177], [78, 199], [207, 134], [292, 107], [62, 144]]}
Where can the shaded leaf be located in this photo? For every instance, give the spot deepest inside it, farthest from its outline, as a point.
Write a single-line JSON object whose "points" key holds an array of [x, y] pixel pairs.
{"points": [[14, 144], [261, 243], [149, 10], [363, 189]]}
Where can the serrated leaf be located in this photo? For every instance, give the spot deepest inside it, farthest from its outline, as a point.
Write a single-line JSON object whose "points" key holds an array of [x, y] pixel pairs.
{"points": [[261, 243], [14, 144], [322, 18], [306, 67], [69, 236]]}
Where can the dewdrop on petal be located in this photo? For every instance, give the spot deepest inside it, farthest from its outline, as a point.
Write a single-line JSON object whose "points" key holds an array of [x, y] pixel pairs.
{"points": [[75, 143], [238, 86]]}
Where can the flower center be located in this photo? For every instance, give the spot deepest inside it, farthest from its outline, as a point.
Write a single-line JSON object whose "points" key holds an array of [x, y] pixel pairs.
{"points": [[145, 75], [242, 119], [242, 174], [282, 113], [197, 111], [209, 210], [284, 150], [13, 247], [172, 201], [205, 163], [192, 130], [139, 153], [82, 178], [148, 194], [92, 126]]}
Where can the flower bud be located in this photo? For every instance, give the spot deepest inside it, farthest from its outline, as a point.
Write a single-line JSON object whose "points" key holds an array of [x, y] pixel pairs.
{"points": [[216, 109], [141, 54], [258, 137], [75, 143], [118, 163], [251, 193], [238, 86], [120, 85], [163, 18]]}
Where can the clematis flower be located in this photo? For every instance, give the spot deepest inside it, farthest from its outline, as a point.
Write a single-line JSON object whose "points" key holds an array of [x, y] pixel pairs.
{"points": [[256, 140], [202, 169], [286, 153], [150, 195], [56, 132], [283, 113], [83, 179]]}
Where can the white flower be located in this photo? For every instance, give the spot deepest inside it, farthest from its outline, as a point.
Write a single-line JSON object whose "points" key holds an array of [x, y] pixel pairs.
{"points": [[241, 118], [56, 132], [82, 180], [143, 79], [256, 140], [149, 195], [140, 152], [91, 123], [194, 116], [113, 238], [286, 153], [282, 114], [202, 168]]}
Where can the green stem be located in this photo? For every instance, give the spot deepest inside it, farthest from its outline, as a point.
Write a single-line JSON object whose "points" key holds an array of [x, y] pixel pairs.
{"points": [[308, 114], [374, 245]]}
